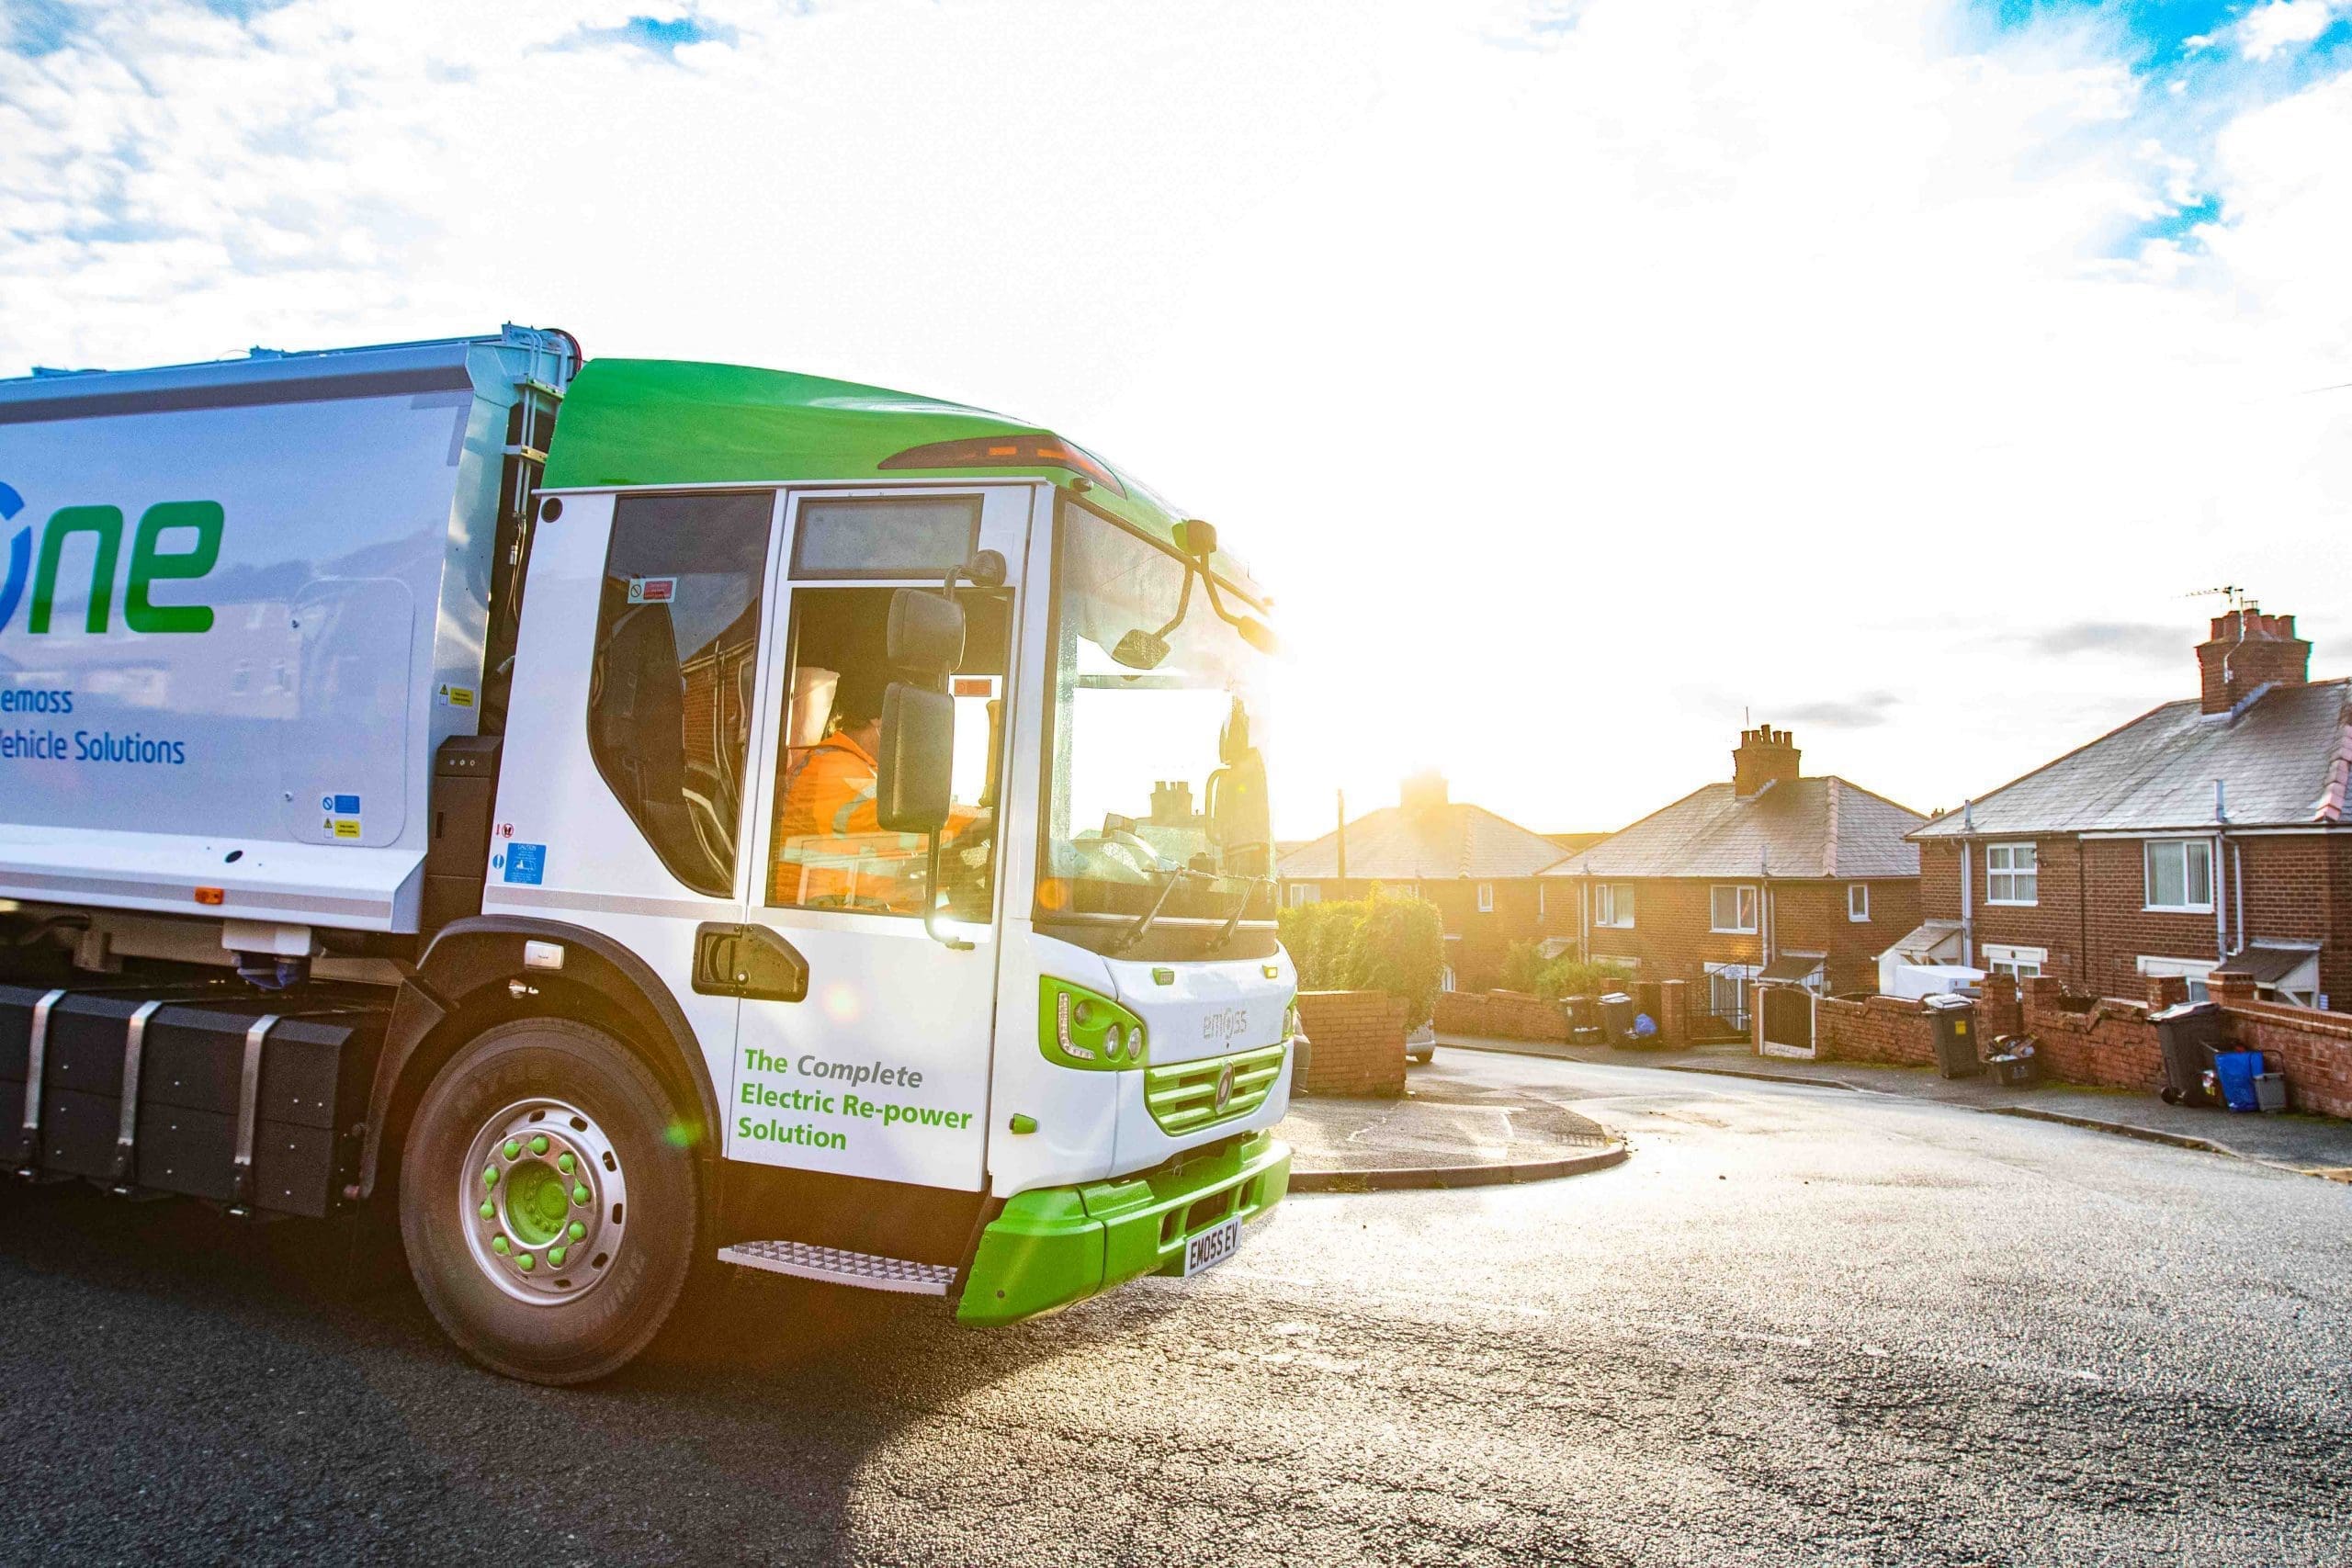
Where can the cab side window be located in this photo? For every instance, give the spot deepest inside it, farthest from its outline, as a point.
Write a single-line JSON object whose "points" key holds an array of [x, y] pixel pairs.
{"points": [[671, 678], [828, 848]]}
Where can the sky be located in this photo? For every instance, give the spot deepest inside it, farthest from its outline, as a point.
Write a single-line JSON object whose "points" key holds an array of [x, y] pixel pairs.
{"points": [[1581, 376]]}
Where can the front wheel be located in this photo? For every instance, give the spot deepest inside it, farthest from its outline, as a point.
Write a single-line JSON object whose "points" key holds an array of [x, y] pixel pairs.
{"points": [[549, 1218]]}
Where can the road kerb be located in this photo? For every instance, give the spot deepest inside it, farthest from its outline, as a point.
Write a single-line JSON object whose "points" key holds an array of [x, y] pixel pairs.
{"points": [[1452, 1176]]}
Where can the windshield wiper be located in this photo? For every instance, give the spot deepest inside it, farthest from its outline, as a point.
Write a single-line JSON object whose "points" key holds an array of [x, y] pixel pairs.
{"points": [[1240, 906], [1142, 928]]}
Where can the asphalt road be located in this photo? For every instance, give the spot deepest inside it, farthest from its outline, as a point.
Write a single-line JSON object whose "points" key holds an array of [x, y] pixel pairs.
{"points": [[1799, 1325]]}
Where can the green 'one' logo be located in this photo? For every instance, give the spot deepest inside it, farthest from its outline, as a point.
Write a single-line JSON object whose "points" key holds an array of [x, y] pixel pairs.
{"points": [[150, 563]]}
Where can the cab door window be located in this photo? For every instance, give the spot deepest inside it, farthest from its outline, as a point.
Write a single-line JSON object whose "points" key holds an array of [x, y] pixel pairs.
{"points": [[829, 849]]}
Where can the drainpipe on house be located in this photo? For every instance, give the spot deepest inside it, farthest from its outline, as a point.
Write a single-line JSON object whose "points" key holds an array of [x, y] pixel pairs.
{"points": [[2237, 880], [1967, 886], [2221, 904]]}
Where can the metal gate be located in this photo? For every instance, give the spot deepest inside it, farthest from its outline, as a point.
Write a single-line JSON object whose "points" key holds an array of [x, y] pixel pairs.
{"points": [[1788, 1021]]}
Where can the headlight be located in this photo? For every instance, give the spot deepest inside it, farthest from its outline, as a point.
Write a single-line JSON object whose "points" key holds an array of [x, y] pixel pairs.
{"points": [[1079, 1028]]}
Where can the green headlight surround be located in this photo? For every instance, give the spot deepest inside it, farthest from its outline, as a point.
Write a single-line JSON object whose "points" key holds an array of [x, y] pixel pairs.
{"points": [[1074, 1027]]}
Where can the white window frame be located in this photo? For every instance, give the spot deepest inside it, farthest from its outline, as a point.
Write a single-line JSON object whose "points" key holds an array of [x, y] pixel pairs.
{"points": [[2007, 869], [1542, 898], [2150, 849], [1304, 893], [1858, 903], [1612, 905], [1744, 907], [2018, 963], [1486, 898], [1403, 889]]}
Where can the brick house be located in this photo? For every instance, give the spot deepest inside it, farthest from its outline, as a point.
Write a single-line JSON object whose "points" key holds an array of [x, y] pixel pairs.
{"points": [[1769, 876], [2210, 832], [1482, 871]]}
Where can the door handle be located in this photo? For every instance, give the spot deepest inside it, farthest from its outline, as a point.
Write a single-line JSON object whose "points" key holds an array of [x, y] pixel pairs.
{"points": [[748, 961]]}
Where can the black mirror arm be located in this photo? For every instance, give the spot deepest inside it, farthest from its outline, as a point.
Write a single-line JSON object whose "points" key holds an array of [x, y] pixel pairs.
{"points": [[1183, 607], [931, 902]]}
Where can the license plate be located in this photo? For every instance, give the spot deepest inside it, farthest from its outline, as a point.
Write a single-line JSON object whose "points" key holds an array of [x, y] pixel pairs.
{"points": [[1212, 1247]]}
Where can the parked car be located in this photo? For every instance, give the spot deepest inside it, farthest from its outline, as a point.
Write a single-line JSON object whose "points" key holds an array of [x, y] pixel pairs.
{"points": [[1420, 1045]]}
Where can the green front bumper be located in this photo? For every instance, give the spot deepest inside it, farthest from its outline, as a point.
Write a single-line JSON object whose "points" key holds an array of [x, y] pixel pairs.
{"points": [[1061, 1244]]}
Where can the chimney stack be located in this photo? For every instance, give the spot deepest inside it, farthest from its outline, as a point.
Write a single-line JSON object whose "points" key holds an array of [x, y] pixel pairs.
{"points": [[1766, 756], [1423, 792], [2247, 651]]}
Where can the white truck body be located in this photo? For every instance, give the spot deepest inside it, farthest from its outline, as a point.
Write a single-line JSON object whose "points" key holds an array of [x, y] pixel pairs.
{"points": [[282, 756]]}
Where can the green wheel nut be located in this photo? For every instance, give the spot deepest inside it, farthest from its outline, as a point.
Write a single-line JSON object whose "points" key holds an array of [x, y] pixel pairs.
{"points": [[539, 1143], [489, 1176], [526, 1263], [513, 1148], [489, 1210], [564, 1163], [555, 1257], [579, 1231], [498, 1243], [579, 1192]]}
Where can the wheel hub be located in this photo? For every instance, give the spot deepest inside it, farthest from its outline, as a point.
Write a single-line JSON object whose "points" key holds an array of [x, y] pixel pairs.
{"points": [[544, 1199]]}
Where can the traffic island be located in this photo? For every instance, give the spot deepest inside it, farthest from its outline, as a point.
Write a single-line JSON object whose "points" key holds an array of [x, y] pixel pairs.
{"points": [[1452, 1136]]}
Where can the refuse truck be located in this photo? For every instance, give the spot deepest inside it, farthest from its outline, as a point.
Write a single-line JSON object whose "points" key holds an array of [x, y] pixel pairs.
{"points": [[621, 819]]}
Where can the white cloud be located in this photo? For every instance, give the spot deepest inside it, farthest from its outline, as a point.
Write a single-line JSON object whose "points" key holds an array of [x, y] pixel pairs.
{"points": [[1779, 352], [2282, 24]]}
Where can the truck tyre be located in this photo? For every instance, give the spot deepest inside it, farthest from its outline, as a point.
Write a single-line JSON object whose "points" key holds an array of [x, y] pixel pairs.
{"points": [[550, 1220]]}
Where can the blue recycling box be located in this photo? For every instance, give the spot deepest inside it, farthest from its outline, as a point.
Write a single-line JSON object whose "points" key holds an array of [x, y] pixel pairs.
{"points": [[2236, 1071]]}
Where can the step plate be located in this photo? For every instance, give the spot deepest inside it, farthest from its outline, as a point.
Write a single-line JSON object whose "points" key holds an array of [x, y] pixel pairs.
{"points": [[831, 1263]]}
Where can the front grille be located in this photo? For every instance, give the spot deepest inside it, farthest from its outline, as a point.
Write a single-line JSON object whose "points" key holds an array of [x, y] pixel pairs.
{"points": [[1182, 1097]]}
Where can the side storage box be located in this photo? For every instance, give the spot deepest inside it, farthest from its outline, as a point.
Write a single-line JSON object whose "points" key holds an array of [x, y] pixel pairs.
{"points": [[230, 1101]]}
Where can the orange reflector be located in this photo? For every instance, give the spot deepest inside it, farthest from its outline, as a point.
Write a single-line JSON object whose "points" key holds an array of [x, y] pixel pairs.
{"points": [[1053, 892], [1037, 449], [210, 896], [972, 685]]}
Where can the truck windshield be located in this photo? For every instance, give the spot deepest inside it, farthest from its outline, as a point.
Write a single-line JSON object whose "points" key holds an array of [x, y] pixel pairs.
{"points": [[1155, 775]]}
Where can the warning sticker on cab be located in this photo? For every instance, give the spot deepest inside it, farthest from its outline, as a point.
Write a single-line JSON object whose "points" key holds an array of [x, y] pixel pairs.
{"points": [[525, 862], [346, 828], [652, 589], [455, 696]]}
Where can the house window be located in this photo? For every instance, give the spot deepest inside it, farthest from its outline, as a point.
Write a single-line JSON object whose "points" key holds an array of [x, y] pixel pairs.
{"points": [[2196, 971], [1613, 904], [2023, 962], [1486, 898], [1732, 908], [1304, 893], [2181, 875], [2012, 875], [1857, 901], [1405, 889], [1540, 900]]}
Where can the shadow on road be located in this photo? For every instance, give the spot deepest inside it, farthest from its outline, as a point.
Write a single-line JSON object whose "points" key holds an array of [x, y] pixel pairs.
{"points": [[272, 1391]]}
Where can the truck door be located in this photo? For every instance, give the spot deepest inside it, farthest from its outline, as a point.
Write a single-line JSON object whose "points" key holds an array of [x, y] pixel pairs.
{"points": [[881, 1070]]}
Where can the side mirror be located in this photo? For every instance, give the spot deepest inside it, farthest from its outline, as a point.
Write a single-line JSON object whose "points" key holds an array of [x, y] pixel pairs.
{"points": [[926, 634], [913, 784]]}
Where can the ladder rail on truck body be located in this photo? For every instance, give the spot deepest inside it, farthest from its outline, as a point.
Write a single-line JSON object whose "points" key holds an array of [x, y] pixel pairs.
{"points": [[865, 1103]]}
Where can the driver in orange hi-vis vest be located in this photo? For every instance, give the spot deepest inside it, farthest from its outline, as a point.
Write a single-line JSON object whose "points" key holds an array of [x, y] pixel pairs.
{"points": [[832, 848]]}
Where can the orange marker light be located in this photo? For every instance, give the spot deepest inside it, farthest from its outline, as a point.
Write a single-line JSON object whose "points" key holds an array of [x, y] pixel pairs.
{"points": [[1038, 449], [211, 896]]}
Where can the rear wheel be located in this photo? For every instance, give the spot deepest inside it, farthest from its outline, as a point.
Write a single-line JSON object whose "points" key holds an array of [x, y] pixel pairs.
{"points": [[549, 1218]]}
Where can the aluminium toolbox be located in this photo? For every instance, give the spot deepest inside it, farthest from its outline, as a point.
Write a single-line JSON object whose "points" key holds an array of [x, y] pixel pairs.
{"points": [[229, 1099]]}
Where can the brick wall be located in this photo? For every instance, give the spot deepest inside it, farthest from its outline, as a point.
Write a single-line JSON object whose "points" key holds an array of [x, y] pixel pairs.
{"points": [[1358, 1042], [1501, 1015], [2312, 1049], [2108, 1042], [1877, 1028]]}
